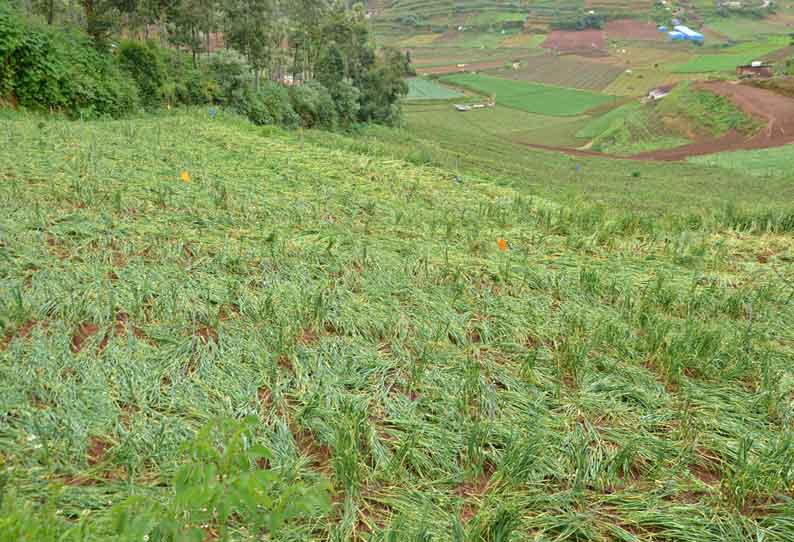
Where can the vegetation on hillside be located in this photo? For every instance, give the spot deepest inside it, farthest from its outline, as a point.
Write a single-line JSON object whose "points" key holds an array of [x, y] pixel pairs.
{"points": [[56, 67], [687, 113], [458, 359]]}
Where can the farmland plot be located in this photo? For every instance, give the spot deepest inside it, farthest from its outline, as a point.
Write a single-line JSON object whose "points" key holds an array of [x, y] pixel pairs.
{"points": [[533, 98], [562, 71], [424, 89], [454, 358]]}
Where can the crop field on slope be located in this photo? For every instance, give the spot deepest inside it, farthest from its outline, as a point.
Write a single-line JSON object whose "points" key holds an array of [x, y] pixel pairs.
{"points": [[424, 89], [493, 143], [731, 57], [458, 360], [561, 71], [510, 125], [773, 162], [532, 98], [739, 28]]}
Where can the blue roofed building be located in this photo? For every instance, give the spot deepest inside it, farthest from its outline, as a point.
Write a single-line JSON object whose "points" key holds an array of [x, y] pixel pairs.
{"points": [[689, 34]]}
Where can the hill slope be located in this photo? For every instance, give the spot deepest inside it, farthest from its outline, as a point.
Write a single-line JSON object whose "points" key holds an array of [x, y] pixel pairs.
{"points": [[460, 360]]}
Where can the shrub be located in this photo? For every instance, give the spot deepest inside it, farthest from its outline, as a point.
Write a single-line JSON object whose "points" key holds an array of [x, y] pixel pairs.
{"points": [[231, 74], [270, 106], [346, 97], [186, 84], [222, 485], [315, 106], [143, 63], [60, 70]]}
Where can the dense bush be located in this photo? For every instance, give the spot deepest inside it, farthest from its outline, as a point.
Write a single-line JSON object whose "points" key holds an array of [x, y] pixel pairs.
{"points": [[315, 106], [382, 87], [269, 106], [42, 67], [144, 64], [347, 99], [231, 74], [185, 83], [60, 70]]}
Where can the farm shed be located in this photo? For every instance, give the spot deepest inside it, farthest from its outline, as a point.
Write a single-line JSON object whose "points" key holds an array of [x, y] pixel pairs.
{"points": [[756, 70]]}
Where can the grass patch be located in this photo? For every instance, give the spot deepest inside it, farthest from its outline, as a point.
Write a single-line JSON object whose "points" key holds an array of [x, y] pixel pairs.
{"points": [[529, 97], [743, 28]]}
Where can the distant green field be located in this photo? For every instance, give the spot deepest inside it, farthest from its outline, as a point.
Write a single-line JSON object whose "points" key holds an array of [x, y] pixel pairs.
{"points": [[732, 57], [504, 123], [776, 162], [423, 89], [497, 17], [742, 28], [530, 97], [713, 63]]}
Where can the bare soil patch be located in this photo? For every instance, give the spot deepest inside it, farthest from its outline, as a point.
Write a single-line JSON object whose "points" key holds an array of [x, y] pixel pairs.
{"points": [[584, 42], [628, 29], [83, 334]]}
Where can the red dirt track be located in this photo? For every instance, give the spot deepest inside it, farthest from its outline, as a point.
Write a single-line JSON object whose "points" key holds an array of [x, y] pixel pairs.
{"points": [[585, 42]]}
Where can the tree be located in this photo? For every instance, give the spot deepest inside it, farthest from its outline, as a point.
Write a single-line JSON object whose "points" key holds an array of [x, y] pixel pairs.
{"points": [[330, 70], [189, 22], [252, 30], [307, 19], [383, 87]]}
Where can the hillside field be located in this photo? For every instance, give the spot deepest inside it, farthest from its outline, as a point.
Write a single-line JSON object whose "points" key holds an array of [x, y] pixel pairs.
{"points": [[424, 89], [532, 98], [449, 354]]}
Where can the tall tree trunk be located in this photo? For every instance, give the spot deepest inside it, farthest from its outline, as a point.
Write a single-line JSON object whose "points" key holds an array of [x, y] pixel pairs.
{"points": [[50, 12], [193, 46]]}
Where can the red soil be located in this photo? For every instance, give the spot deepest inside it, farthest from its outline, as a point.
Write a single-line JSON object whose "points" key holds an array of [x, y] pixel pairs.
{"points": [[628, 29], [585, 42]]}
